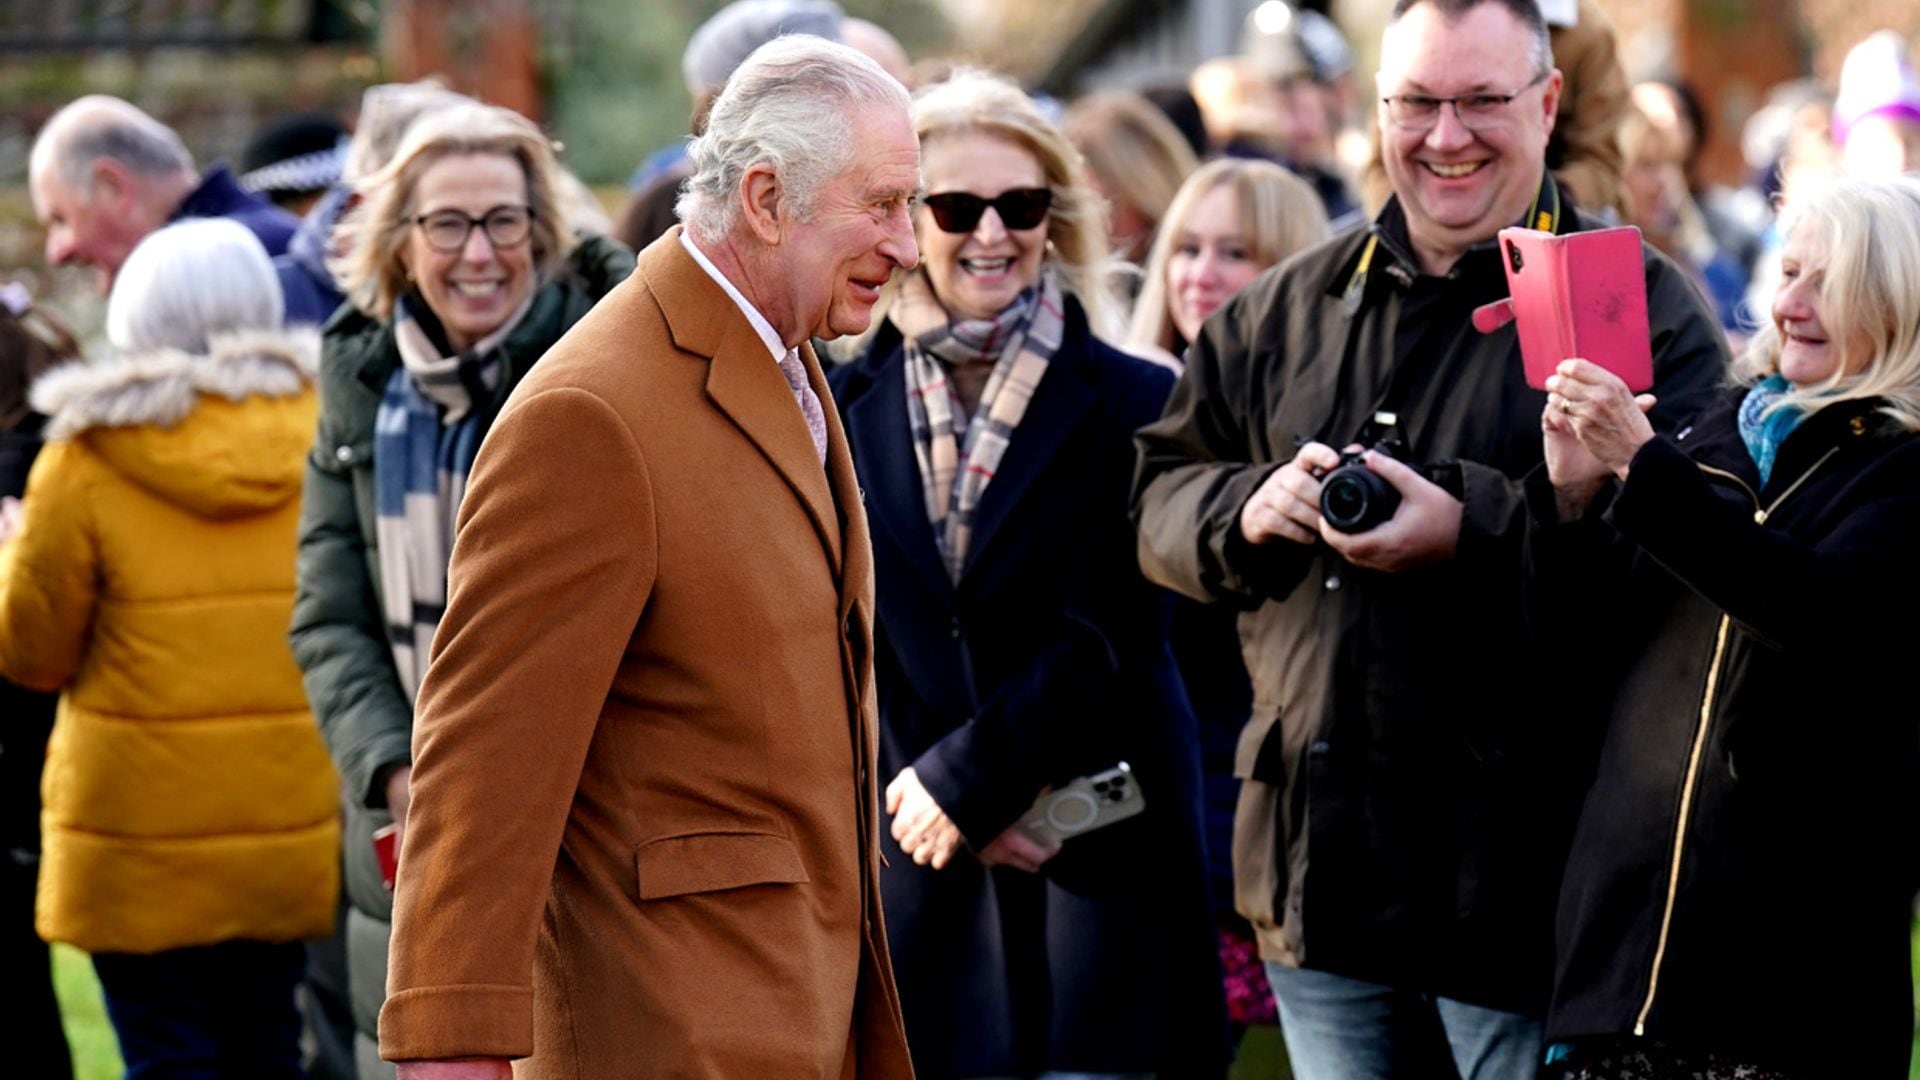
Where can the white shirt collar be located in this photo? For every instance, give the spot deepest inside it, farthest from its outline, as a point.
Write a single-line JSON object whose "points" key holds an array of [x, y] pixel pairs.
{"points": [[760, 324]]}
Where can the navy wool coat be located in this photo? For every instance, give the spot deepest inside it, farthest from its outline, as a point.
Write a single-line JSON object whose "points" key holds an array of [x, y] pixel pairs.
{"points": [[1048, 661]]}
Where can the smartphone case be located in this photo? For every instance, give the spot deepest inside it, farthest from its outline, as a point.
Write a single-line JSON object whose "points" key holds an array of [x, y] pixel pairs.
{"points": [[1085, 804], [1583, 294]]}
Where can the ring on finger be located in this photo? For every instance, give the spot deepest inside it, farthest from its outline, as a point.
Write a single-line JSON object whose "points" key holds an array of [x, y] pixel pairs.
{"points": [[1566, 407]]}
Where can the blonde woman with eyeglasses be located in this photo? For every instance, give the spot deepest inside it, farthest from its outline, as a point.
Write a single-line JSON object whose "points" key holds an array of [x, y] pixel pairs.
{"points": [[462, 267]]}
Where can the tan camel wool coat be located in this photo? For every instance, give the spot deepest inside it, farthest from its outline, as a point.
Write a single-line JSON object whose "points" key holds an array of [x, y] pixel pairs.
{"points": [[642, 840]]}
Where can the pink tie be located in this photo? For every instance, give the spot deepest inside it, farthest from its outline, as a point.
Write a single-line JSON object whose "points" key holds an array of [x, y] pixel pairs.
{"points": [[809, 401]]}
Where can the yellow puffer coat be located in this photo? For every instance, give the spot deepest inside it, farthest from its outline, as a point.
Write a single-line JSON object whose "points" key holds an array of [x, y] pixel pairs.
{"points": [[188, 796]]}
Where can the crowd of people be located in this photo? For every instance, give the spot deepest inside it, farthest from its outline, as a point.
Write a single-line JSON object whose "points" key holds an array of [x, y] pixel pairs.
{"points": [[871, 607]]}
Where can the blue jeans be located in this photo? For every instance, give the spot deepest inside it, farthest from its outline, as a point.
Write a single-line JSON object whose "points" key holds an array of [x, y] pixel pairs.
{"points": [[1338, 1028], [212, 1012]]}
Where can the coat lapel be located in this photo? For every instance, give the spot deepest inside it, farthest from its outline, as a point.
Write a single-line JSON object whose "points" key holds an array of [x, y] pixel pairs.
{"points": [[743, 381], [1059, 404], [883, 443]]}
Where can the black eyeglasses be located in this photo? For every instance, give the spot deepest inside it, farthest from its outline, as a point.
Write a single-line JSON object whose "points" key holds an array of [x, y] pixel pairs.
{"points": [[959, 212], [506, 226], [1476, 112]]}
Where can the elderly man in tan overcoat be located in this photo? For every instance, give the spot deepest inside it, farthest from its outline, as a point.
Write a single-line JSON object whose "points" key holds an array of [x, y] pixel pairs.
{"points": [[641, 840]]}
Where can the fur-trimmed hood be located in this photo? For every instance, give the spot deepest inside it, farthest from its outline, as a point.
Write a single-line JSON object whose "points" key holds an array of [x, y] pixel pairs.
{"points": [[221, 434]]}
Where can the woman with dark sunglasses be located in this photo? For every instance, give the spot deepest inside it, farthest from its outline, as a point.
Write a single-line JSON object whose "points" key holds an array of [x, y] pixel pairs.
{"points": [[1018, 651]]}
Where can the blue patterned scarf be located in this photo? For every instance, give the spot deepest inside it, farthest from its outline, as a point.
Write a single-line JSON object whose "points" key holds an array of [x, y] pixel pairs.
{"points": [[425, 435], [1764, 431]]}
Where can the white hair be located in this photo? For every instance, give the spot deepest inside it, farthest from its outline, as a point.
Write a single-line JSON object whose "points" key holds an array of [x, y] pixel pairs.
{"points": [[98, 126], [189, 282], [790, 105]]}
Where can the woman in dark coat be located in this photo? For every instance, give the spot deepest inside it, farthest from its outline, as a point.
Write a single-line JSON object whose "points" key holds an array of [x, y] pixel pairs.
{"points": [[1737, 901], [1018, 647]]}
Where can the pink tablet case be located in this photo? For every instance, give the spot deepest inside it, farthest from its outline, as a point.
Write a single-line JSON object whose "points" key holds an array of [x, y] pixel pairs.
{"points": [[1583, 294]]}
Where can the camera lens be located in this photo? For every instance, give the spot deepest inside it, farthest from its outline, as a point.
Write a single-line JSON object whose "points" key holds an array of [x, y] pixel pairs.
{"points": [[1353, 498]]}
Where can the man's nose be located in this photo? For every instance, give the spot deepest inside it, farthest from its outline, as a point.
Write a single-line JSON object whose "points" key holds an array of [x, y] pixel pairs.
{"points": [[1448, 132], [59, 247], [899, 244]]}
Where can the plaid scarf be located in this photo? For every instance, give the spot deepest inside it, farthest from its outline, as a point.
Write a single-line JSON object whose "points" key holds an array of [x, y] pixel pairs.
{"points": [[424, 439], [947, 443]]}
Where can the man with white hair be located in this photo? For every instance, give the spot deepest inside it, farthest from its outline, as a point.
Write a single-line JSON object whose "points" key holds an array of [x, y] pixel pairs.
{"points": [[104, 174], [642, 839]]}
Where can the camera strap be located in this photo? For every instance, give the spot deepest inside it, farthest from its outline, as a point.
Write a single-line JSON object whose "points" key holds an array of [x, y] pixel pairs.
{"points": [[1545, 219]]}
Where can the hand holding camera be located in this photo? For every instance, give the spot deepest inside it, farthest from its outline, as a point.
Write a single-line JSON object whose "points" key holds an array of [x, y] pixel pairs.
{"points": [[1287, 503]]}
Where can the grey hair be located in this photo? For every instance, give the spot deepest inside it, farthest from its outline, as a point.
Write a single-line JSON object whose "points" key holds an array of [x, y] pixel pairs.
{"points": [[189, 282], [98, 126], [790, 105]]}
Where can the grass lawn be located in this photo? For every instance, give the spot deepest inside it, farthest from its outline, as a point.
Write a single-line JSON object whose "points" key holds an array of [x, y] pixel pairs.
{"points": [[95, 1054], [97, 1057]]}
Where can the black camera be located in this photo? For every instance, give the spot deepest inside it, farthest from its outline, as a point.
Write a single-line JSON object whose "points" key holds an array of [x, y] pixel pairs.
{"points": [[1354, 498]]}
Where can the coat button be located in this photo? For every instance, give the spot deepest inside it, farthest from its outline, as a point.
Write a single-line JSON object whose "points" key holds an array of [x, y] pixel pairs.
{"points": [[1333, 582], [958, 633], [344, 453]]}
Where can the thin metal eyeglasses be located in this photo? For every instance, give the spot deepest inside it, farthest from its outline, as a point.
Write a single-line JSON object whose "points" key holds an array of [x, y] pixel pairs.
{"points": [[1476, 112], [505, 226]]}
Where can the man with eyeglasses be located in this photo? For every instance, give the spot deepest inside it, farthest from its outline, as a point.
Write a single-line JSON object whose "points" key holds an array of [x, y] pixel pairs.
{"points": [[1409, 764]]}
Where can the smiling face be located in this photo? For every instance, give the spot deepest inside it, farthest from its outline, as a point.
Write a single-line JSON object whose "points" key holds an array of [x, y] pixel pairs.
{"points": [[977, 274], [1211, 260], [472, 290], [834, 264], [1808, 355], [1459, 187], [98, 229]]}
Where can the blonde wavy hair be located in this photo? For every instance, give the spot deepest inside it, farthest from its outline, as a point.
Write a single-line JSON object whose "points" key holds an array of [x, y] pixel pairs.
{"points": [[375, 231], [1279, 215], [1870, 297], [1133, 148], [972, 100]]}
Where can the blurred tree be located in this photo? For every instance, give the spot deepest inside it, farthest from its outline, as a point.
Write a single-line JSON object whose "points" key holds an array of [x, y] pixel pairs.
{"points": [[614, 87]]}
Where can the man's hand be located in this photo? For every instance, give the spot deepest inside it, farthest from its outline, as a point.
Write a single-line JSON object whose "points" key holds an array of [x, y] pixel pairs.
{"points": [[919, 825], [456, 1069], [1015, 848], [1287, 503], [397, 800], [1424, 529]]}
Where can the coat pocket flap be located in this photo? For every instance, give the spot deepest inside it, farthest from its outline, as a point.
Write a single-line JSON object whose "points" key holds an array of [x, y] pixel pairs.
{"points": [[709, 862]]}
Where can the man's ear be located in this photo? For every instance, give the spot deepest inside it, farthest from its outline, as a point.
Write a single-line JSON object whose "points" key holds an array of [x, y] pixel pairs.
{"points": [[760, 203], [111, 183], [1550, 97]]}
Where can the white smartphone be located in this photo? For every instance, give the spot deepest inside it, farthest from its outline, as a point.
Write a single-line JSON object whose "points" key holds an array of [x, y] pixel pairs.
{"points": [[1085, 804]]}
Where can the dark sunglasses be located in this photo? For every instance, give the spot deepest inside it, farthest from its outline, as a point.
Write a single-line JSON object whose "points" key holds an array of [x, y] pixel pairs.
{"points": [[959, 212]]}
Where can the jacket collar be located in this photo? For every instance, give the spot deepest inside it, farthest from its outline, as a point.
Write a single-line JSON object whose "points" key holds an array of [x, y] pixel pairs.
{"points": [[745, 383], [1846, 425], [1386, 246], [163, 386]]}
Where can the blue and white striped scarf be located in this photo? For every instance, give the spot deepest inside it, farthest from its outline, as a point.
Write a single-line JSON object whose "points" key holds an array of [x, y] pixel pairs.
{"points": [[424, 440]]}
